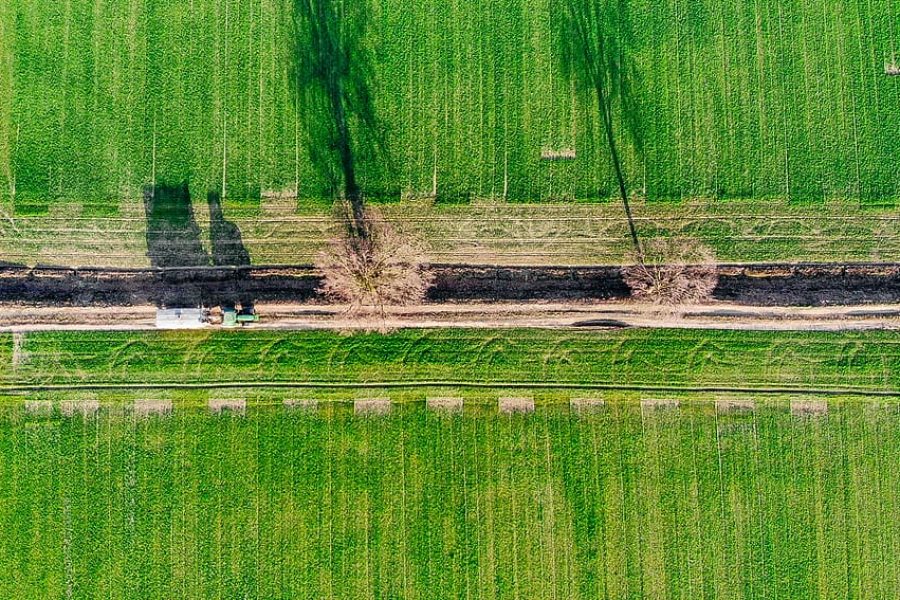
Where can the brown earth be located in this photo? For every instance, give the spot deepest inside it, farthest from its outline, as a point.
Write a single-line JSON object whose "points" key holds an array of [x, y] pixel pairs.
{"points": [[753, 285], [496, 315]]}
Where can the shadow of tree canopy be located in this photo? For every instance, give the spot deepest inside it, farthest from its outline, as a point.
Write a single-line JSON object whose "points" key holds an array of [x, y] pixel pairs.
{"points": [[333, 70], [599, 46], [598, 57], [174, 241], [225, 239], [228, 250], [173, 235]]}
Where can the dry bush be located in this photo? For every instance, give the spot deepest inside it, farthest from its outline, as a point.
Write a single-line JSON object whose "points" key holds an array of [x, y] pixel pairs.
{"points": [[369, 273], [674, 271]]}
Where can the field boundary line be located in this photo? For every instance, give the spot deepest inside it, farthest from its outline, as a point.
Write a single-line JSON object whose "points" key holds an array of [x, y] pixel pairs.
{"points": [[394, 384], [309, 267]]}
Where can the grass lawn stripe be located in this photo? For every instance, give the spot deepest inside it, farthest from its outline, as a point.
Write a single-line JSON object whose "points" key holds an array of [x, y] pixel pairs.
{"points": [[804, 503]]}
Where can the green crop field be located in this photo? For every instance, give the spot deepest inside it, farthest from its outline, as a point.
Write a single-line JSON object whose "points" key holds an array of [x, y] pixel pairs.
{"points": [[686, 503], [735, 100], [633, 499], [647, 357]]}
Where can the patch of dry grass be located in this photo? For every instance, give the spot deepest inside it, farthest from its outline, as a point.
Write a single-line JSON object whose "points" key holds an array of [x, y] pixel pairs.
{"points": [[659, 404], [515, 405], [809, 408], [586, 405], [221, 405], [444, 404], [147, 407], [86, 407], [372, 406], [301, 404], [735, 405]]}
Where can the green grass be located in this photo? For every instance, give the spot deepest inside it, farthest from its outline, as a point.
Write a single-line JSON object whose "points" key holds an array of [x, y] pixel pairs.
{"points": [[632, 357], [680, 504], [74, 234], [625, 502], [738, 100]]}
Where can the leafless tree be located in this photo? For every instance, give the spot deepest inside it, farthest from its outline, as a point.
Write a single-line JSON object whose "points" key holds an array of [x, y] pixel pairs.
{"points": [[672, 272], [370, 273]]}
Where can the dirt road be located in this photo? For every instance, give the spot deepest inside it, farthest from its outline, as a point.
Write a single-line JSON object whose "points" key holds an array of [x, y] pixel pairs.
{"points": [[555, 315]]}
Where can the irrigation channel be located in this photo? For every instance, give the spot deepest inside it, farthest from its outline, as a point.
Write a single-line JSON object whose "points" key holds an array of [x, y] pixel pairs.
{"points": [[760, 284]]}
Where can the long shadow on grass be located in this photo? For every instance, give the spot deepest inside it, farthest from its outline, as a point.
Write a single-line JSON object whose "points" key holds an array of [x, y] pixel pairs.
{"points": [[173, 235], [174, 244], [332, 65], [228, 250]]}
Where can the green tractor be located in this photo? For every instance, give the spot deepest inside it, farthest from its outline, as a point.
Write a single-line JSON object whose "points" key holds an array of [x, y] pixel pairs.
{"points": [[232, 317]]}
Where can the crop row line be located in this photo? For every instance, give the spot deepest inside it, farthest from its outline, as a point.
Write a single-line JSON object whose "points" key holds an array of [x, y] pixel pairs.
{"points": [[287, 384], [549, 239], [506, 216], [483, 260]]}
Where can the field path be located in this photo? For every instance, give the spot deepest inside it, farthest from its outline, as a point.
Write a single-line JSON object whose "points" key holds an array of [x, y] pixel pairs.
{"points": [[540, 315]]}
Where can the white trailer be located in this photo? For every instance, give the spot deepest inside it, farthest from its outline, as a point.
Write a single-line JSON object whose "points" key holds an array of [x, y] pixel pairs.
{"points": [[181, 318]]}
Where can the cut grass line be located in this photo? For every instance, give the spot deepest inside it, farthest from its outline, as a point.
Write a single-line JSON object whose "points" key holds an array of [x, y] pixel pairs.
{"points": [[283, 384]]}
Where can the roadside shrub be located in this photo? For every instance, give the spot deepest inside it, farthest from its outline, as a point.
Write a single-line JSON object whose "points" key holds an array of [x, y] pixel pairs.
{"points": [[371, 273], [674, 271]]}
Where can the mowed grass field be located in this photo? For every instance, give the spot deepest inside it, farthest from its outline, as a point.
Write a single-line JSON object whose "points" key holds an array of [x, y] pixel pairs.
{"points": [[638, 357], [623, 503], [734, 100]]}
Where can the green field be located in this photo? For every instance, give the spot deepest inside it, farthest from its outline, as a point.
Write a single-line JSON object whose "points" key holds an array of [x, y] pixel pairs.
{"points": [[688, 503], [628, 501], [737, 100], [276, 233], [646, 357]]}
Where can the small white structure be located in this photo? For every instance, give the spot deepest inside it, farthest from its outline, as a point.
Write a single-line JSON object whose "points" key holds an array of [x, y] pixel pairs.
{"points": [[558, 154], [181, 318]]}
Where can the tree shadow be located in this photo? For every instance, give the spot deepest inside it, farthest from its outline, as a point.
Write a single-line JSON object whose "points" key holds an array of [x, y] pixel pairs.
{"points": [[174, 245], [599, 41], [228, 250], [225, 238], [333, 71], [173, 235]]}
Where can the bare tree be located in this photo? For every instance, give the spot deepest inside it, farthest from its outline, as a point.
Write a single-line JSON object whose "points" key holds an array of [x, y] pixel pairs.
{"points": [[383, 269], [672, 272], [333, 72], [596, 38]]}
